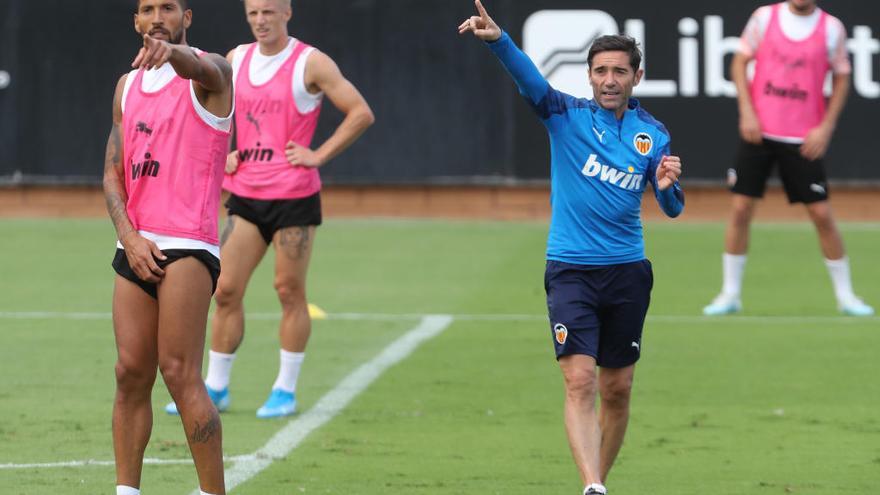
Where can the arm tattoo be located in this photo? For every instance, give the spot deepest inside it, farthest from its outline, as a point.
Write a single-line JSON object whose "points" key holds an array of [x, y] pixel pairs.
{"points": [[114, 190], [206, 433], [294, 241], [227, 231], [114, 148]]}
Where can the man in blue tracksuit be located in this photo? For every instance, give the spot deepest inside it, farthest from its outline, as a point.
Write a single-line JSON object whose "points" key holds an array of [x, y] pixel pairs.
{"points": [[604, 151]]}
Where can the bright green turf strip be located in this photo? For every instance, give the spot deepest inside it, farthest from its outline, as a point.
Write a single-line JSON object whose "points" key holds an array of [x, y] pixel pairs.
{"points": [[708, 395]]}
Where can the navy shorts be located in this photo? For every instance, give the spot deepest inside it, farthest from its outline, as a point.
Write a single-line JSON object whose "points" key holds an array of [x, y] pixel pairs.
{"points": [[804, 180], [272, 216], [599, 311], [124, 270]]}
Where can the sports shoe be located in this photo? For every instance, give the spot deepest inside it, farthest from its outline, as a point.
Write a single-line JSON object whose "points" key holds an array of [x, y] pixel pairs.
{"points": [[595, 489], [220, 399], [279, 403], [855, 307], [723, 305]]}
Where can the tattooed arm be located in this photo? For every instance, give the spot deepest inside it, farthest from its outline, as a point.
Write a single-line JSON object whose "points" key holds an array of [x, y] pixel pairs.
{"points": [[138, 250]]}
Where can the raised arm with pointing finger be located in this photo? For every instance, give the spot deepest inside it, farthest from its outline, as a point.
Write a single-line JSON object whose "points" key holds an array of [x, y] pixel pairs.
{"points": [[603, 152]]}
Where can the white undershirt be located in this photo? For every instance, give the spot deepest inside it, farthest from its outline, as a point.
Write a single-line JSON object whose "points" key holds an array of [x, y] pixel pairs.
{"points": [[169, 242], [264, 67]]}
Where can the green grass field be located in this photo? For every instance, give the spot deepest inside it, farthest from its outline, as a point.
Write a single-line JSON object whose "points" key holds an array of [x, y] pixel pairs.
{"points": [[783, 399]]}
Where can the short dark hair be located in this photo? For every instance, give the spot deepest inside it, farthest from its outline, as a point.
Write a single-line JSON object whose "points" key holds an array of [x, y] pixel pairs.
{"points": [[617, 43], [183, 4]]}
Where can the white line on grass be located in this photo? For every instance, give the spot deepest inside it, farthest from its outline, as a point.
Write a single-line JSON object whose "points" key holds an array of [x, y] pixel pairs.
{"points": [[245, 467], [334, 401], [93, 462], [684, 319]]}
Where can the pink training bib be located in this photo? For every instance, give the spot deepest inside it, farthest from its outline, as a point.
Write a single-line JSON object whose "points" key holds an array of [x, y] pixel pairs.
{"points": [[174, 163], [787, 90], [266, 118]]}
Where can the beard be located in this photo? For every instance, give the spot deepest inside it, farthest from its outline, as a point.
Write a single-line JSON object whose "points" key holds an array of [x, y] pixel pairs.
{"points": [[803, 8]]}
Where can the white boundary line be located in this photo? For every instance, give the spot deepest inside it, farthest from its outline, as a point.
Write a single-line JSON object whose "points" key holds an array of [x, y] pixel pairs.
{"points": [[334, 401], [684, 319], [97, 463], [294, 432]]}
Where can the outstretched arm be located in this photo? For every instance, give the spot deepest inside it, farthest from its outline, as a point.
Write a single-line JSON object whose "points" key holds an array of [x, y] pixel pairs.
{"points": [[528, 78], [138, 250], [211, 72], [322, 74]]}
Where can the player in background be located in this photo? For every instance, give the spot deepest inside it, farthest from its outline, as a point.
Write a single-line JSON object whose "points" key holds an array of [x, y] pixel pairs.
{"points": [[162, 178], [598, 281], [275, 188], [784, 120]]}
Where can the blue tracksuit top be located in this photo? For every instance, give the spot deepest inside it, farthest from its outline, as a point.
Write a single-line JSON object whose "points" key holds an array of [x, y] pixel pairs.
{"points": [[599, 168]]}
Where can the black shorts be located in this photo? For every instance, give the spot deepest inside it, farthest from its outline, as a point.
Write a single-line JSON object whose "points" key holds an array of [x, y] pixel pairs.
{"points": [[272, 216], [804, 180], [599, 311], [120, 264]]}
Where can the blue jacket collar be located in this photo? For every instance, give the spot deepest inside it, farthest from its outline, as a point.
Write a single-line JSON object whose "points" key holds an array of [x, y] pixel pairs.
{"points": [[607, 115]]}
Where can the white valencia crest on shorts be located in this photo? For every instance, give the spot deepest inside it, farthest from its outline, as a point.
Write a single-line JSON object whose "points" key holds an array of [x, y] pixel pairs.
{"points": [[561, 333]]}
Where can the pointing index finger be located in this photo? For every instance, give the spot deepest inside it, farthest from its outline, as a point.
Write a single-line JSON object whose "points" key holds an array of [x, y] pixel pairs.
{"points": [[482, 10]]}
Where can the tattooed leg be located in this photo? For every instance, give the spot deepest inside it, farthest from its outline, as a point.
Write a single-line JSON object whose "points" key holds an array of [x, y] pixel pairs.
{"points": [[293, 249], [205, 431], [296, 242], [227, 231], [243, 246], [184, 297]]}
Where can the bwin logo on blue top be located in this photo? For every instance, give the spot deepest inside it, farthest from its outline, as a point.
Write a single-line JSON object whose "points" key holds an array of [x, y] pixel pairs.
{"points": [[613, 176]]}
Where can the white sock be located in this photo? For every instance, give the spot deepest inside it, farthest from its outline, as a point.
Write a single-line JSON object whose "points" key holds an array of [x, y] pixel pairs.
{"points": [[202, 492], [288, 372], [733, 267], [127, 490], [840, 279], [597, 487], [219, 370]]}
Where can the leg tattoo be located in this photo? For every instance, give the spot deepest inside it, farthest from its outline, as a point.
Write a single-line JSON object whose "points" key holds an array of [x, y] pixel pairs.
{"points": [[294, 242], [204, 434], [227, 231]]}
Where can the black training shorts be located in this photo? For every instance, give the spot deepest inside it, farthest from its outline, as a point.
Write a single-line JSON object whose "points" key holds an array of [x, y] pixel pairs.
{"points": [[804, 180], [120, 264], [272, 216]]}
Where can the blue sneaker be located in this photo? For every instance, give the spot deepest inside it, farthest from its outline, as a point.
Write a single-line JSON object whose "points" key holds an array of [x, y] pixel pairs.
{"points": [[220, 399], [723, 305], [856, 307], [279, 403]]}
